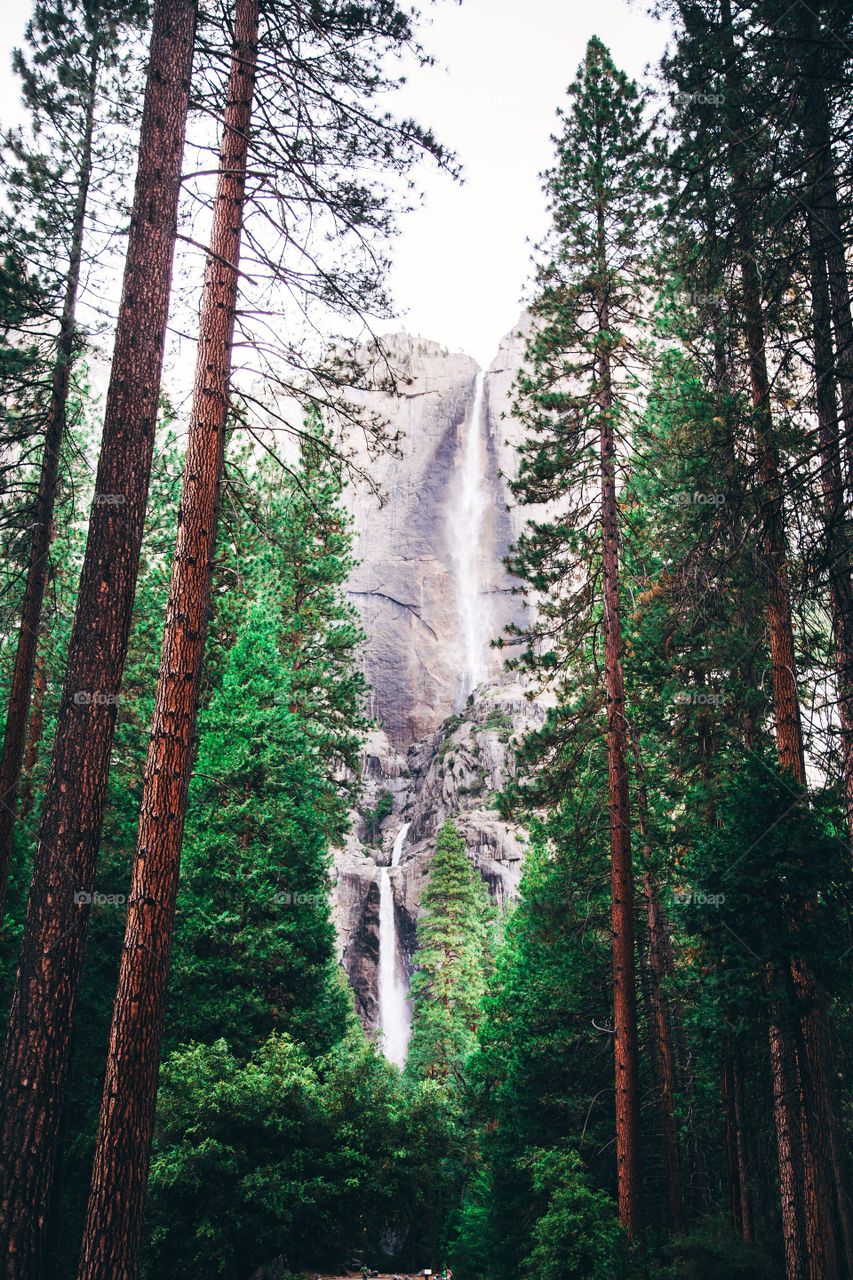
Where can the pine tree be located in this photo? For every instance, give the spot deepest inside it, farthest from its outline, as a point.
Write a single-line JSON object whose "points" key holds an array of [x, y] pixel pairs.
{"points": [[76, 63], [38, 1037], [576, 399], [451, 964], [253, 910], [114, 1218]]}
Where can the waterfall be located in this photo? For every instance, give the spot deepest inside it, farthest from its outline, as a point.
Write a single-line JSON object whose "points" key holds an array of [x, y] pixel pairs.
{"points": [[394, 1012], [465, 520]]}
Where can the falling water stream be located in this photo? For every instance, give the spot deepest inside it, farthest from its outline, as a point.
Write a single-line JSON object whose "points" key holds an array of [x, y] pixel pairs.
{"points": [[469, 500], [465, 521], [394, 1012]]}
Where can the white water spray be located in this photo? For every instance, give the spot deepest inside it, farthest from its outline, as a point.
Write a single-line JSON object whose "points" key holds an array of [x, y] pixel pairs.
{"points": [[394, 1011], [465, 520]]}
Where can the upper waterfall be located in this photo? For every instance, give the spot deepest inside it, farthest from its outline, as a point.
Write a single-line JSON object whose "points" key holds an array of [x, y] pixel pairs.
{"points": [[466, 519], [429, 581]]}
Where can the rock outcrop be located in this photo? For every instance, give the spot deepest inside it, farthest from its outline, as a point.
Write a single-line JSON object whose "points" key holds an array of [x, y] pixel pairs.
{"points": [[457, 772]]}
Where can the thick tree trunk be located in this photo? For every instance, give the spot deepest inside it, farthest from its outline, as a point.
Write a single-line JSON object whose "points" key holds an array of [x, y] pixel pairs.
{"points": [[40, 1022], [122, 1154], [20, 692], [783, 1071], [626, 1052]]}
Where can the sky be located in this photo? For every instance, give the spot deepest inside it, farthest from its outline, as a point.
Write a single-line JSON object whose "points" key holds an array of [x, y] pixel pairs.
{"points": [[461, 260]]}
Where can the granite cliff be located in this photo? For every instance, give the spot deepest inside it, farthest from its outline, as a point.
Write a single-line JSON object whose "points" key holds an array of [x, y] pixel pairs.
{"points": [[432, 591]]}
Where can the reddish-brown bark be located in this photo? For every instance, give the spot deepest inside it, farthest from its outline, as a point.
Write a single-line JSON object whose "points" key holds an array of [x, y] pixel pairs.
{"points": [[114, 1220], [20, 692], [818, 1183], [44, 998], [625, 1037], [785, 1092]]}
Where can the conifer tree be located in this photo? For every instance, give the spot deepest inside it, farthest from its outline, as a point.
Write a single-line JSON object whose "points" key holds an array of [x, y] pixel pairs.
{"points": [[576, 397], [254, 943], [76, 62], [114, 1218], [38, 1036], [451, 964]]}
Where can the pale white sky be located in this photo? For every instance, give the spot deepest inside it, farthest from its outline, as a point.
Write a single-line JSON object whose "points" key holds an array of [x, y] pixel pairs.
{"points": [[461, 261]]}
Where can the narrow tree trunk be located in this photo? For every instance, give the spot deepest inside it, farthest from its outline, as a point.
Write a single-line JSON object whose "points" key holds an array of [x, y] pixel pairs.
{"points": [[626, 1052], [20, 692], [44, 999], [34, 732], [835, 516], [727, 1090], [825, 203], [832, 303], [114, 1220], [660, 970], [740, 1148]]}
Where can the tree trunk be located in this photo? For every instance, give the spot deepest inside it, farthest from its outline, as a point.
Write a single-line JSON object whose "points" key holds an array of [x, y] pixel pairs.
{"points": [[660, 969], [825, 203], [727, 1090], [785, 1093], [740, 1151], [827, 263], [835, 518], [822, 1172], [626, 1051], [114, 1220], [43, 1004], [34, 732], [20, 692]]}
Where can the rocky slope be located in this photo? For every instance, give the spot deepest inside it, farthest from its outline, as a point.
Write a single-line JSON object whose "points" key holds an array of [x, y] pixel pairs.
{"points": [[457, 772]]}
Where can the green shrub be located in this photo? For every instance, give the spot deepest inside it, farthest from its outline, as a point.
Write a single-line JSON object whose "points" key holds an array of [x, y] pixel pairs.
{"points": [[578, 1236]]}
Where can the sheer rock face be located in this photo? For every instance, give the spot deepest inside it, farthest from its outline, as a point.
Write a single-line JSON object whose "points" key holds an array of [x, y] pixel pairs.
{"points": [[404, 586], [432, 758]]}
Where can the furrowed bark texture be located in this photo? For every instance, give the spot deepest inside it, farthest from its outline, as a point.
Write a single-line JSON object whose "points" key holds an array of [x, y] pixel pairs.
{"points": [[17, 710], [114, 1221], [625, 1038], [40, 1023]]}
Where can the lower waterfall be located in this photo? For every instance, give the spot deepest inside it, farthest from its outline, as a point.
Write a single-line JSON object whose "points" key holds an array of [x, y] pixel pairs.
{"points": [[394, 1011]]}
